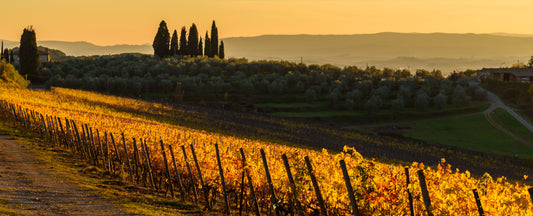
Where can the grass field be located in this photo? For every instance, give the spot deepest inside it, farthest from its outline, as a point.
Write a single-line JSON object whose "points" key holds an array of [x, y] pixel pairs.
{"points": [[511, 124], [470, 132], [350, 117]]}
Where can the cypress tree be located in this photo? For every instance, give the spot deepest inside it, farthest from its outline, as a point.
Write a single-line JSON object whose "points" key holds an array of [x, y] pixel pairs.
{"points": [[6, 55], [207, 47], [221, 50], [183, 42], [161, 41], [174, 43], [28, 52], [200, 47], [214, 40], [11, 59], [2, 54], [193, 41]]}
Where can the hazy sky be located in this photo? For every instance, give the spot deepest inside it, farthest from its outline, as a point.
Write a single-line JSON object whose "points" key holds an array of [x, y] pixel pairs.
{"points": [[107, 22]]}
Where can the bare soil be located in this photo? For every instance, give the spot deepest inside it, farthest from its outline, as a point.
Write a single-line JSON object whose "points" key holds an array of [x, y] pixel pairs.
{"points": [[28, 187]]}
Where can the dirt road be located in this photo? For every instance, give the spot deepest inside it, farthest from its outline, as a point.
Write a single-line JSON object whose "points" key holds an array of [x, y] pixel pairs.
{"points": [[28, 188]]}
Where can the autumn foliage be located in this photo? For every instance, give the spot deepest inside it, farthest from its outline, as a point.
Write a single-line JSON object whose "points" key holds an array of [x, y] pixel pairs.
{"points": [[380, 189]]}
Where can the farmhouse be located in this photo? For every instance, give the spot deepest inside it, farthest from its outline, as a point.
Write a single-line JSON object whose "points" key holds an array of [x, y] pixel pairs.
{"points": [[507, 74], [43, 51]]}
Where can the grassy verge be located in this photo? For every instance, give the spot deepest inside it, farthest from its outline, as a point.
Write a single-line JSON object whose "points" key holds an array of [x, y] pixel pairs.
{"points": [[347, 117], [507, 121], [470, 132], [129, 198]]}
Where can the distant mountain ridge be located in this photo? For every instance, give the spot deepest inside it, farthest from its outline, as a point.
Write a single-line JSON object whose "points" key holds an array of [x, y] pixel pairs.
{"points": [[445, 51], [82, 48]]}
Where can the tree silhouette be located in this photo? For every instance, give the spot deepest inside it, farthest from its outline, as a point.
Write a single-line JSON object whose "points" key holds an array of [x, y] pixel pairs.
{"points": [[200, 47], [207, 49], [174, 43], [214, 40], [193, 41], [183, 42], [221, 50], [6, 55], [28, 52], [161, 41]]}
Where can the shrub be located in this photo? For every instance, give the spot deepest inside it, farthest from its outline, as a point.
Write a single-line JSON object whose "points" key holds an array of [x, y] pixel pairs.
{"points": [[333, 96], [349, 104], [354, 95], [373, 104], [398, 104], [310, 95], [440, 100], [459, 96], [421, 100]]}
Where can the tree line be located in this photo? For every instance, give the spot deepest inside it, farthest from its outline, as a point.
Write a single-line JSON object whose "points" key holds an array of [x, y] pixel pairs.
{"points": [[201, 77], [187, 45]]}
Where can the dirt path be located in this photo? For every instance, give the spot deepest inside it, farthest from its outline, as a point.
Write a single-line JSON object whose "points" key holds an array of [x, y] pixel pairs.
{"points": [[30, 189]]}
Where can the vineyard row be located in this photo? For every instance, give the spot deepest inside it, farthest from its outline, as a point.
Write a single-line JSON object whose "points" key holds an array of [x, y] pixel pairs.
{"points": [[135, 161]]}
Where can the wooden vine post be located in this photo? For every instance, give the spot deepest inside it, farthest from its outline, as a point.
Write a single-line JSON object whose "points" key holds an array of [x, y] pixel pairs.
{"points": [[178, 179], [478, 203], [137, 160], [349, 187], [101, 147], [292, 185], [108, 153], [127, 156], [115, 148], [242, 186], [222, 180], [321, 203], [166, 167], [191, 176], [530, 190], [148, 163], [252, 191], [204, 188], [410, 196], [273, 198], [425, 193]]}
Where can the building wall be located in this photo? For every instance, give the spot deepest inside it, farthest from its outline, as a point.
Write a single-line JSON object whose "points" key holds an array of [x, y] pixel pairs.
{"points": [[44, 58]]}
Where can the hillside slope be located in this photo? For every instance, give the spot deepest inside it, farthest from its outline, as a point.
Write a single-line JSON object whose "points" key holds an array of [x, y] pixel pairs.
{"points": [[11, 77]]}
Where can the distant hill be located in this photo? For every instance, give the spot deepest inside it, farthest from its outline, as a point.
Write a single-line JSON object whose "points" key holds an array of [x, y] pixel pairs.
{"points": [[443, 51], [81, 48], [396, 50]]}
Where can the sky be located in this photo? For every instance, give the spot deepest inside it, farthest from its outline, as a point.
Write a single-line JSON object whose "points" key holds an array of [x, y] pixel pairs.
{"points": [[109, 22]]}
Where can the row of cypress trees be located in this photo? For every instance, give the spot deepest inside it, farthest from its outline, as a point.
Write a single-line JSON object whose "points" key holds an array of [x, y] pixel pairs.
{"points": [[6, 54], [190, 44]]}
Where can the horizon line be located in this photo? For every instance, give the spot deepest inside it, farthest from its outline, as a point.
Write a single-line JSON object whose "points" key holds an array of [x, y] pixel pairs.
{"points": [[502, 34]]}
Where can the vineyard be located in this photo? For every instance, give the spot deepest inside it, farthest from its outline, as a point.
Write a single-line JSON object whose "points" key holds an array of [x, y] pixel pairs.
{"points": [[234, 175]]}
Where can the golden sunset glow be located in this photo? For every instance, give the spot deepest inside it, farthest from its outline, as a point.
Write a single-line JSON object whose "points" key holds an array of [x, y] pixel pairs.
{"points": [[135, 22]]}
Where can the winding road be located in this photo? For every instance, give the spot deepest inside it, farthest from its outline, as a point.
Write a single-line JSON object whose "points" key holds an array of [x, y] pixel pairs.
{"points": [[496, 102]]}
